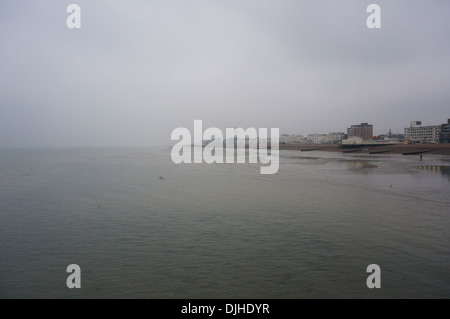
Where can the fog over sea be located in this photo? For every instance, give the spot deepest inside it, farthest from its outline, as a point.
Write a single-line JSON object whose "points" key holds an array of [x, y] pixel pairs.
{"points": [[222, 230]]}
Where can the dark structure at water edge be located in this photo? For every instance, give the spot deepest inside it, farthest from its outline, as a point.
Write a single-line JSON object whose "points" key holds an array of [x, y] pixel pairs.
{"points": [[405, 149]]}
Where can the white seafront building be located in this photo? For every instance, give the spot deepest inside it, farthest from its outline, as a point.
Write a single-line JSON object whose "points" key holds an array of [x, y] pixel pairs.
{"points": [[292, 139], [423, 134]]}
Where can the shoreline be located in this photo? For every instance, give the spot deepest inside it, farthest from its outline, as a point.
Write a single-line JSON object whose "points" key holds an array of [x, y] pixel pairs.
{"points": [[405, 149]]}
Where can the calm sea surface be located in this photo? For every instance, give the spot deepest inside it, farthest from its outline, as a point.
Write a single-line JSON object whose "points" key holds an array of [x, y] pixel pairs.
{"points": [[223, 230]]}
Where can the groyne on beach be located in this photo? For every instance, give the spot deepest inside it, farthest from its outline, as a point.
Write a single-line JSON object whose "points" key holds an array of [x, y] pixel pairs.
{"points": [[405, 149]]}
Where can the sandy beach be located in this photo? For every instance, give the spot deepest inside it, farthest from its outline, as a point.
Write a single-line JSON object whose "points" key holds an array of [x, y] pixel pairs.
{"points": [[405, 149]]}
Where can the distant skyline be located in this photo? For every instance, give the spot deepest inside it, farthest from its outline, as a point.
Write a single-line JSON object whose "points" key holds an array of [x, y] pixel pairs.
{"points": [[382, 133], [137, 70]]}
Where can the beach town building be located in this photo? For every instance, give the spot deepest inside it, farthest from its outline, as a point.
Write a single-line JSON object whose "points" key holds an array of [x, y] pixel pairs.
{"points": [[422, 134], [335, 138], [445, 132], [363, 130], [316, 138], [353, 140], [330, 138], [292, 139]]}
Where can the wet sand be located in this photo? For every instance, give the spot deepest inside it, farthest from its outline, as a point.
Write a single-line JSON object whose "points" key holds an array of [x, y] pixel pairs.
{"points": [[405, 149]]}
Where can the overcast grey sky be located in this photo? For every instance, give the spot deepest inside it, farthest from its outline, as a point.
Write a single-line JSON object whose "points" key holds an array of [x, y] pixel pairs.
{"points": [[136, 70]]}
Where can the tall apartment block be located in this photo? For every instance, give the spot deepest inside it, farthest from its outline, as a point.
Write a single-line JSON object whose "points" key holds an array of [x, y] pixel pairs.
{"points": [[363, 130]]}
